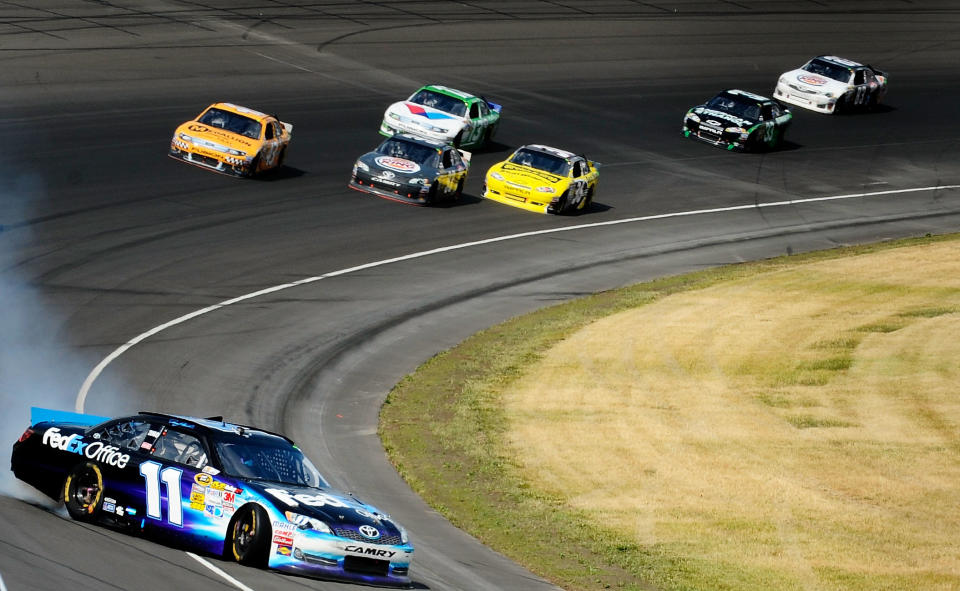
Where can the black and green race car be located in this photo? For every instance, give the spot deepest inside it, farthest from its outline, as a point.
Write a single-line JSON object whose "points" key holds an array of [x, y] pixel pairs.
{"points": [[738, 120], [444, 114]]}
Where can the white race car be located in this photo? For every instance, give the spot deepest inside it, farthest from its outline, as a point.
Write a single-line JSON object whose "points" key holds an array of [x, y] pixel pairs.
{"points": [[443, 114], [829, 84]]}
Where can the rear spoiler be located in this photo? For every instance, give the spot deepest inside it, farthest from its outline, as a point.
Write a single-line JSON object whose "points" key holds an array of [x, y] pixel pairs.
{"points": [[494, 106], [42, 415], [287, 126], [466, 156]]}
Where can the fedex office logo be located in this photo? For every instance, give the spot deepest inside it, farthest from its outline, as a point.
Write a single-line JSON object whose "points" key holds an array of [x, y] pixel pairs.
{"points": [[107, 454]]}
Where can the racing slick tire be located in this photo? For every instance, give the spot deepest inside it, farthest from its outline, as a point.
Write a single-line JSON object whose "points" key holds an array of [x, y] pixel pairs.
{"points": [[459, 192], [281, 157], [563, 204], [254, 166], [458, 139], [248, 537], [432, 195], [83, 491]]}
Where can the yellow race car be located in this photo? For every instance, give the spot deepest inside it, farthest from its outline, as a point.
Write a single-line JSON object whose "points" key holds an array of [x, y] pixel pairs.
{"points": [[543, 179], [232, 140]]}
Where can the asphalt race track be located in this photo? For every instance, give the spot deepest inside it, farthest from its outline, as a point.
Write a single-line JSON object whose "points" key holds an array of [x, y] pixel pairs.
{"points": [[102, 237]]}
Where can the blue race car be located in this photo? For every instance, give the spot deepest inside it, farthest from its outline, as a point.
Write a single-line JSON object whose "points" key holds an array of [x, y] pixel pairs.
{"points": [[214, 487]]}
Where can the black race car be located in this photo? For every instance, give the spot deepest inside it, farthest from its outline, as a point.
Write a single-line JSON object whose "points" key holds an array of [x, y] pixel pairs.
{"points": [[212, 486], [412, 170], [738, 120]]}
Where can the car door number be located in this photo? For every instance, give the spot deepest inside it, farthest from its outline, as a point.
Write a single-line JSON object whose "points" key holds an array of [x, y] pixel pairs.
{"points": [[154, 475]]}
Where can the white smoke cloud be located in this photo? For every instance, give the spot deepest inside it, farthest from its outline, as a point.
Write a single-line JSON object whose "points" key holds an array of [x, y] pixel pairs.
{"points": [[36, 369]]}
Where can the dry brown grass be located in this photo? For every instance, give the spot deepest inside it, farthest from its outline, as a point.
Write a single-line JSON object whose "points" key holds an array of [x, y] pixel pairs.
{"points": [[804, 421]]}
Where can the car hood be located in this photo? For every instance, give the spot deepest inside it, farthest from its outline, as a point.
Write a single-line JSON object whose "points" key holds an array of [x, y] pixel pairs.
{"points": [[528, 176], [421, 115], [334, 508], [398, 166], [214, 137], [813, 82], [720, 118]]}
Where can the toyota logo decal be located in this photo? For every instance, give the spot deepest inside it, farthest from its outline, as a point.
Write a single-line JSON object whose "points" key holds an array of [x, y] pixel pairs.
{"points": [[369, 531]]}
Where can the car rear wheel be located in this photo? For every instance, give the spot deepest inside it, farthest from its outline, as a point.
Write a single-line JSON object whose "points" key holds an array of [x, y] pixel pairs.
{"points": [[459, 191], [458, 139], [249, 536], [254, 166], [82, 491]]}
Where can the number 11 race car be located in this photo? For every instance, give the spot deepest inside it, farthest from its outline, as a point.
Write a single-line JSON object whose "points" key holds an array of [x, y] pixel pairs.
{"points": [[212, 486]]}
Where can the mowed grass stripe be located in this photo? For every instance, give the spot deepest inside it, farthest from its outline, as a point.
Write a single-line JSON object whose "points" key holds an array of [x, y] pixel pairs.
{"points": [[787, 424]]}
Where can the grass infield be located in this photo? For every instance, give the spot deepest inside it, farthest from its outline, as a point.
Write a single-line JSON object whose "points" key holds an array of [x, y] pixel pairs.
{"points": [[792, 423]]}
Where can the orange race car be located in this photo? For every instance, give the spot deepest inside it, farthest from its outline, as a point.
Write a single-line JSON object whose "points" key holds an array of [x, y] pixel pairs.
{"points": [[232, 140]]}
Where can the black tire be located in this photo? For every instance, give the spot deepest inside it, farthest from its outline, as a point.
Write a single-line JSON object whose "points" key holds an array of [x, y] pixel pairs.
{"points": [[458, 139], [248, 538], [588, 200], [254, 165], [562, 203], [282, 157], [456, 194], [83, 491], [432, 195]]}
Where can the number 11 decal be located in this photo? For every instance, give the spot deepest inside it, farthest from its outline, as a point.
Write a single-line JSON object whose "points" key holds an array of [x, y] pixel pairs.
{"points": [[169, 476]]}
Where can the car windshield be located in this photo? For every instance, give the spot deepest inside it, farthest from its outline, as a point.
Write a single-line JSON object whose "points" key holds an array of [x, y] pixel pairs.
{"points": [[441, 102], [541, 161], [735, 105], [267, 460], [240, 124], [819, 66], [398, 148]]}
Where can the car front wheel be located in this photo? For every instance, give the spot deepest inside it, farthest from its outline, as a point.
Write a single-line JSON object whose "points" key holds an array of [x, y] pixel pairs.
{"points": [[249, 536]]}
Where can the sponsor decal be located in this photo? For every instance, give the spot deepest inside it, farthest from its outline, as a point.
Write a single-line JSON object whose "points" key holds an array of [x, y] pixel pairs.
{"points": [[196, 497], [284, 550], [368, 531], [97, 451], [109, 505], [120, 511], [211, 470], [294, 500], [229, 497], [146, 445], [283, 526], [433, 115], [213, 510], [365, 513], [281, 539], [203, 479], [176, 423], [400, 164], [369, 551], [812, 79], [526, 171], [197, 505]]}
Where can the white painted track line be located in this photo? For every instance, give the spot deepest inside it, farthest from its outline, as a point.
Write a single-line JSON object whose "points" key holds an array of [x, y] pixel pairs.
{"points": [[88, 382]]}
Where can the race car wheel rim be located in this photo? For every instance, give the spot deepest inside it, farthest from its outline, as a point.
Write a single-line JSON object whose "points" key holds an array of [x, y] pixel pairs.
{"points": [[82, 491], [244, 531]]}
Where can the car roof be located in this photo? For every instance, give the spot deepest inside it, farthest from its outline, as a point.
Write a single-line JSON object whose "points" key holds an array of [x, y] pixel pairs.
{"points": [[239, 110], [451, 92], [748, 94], [418, 140], [549, 150], [839, 61], [211, 424]]}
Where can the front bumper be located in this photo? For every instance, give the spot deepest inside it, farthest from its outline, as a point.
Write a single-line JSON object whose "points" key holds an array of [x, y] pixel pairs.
{"points": [[724, 139], [328, 557], [395, 191], [527, 199], [807, 100], [393, 126], [222, 163]]}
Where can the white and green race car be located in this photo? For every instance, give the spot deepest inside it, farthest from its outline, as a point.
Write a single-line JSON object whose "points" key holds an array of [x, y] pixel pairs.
{"points": [[444, 114]]}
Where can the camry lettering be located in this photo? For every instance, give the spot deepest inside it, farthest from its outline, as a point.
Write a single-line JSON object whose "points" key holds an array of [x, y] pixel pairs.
{"points": [[97, 450], [370, 551]]}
